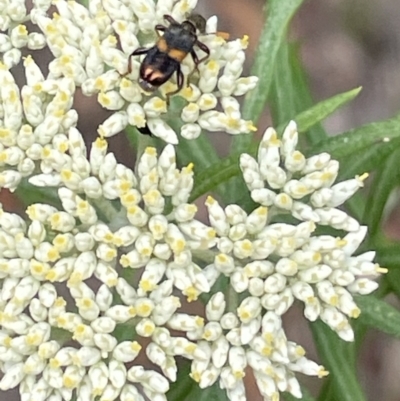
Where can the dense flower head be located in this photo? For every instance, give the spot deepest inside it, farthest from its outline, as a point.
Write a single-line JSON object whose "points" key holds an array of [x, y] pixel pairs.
{"points": [[34, 122], [96, 284], [285, 180], [245, 338], [123, 252], [69, 270], [153, 225], [93, 47], [278, 263]]}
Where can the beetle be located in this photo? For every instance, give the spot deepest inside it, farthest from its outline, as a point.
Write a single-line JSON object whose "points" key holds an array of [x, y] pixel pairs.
{"points": [[166, 56]]}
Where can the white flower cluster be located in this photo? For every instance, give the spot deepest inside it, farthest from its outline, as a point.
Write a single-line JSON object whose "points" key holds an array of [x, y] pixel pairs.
{"points": [[277, 263], [153, 231], [93, 47], [90, 295], [155, 225], [15, 35], [94, 294], [34, 123], [296, 185], [234, 340]]}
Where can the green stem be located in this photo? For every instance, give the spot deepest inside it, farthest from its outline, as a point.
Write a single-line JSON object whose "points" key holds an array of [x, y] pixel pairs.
{"points": [[206, 256], [105, 207], [232, 298]]}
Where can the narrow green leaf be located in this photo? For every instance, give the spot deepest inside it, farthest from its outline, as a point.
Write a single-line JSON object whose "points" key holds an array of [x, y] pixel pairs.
{"points": [[385, 180], [388, 255], [214, 175], [367, 159], [290, 96], [180, 389], [378, 314], [132, 134], [327, 391], [285, 99], [29, 194], [227, 168], [306, 396], [348, 143], [199, 151], [356, 206], [279, 14], [316, 133], [393, 280], [334, 354], [290, 93], [323, 109]]}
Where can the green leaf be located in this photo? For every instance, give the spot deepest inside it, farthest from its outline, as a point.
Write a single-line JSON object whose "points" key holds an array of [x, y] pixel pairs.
{"points": [[227, 168], [356, 206], [334, 354], [320, 111], [316, 133], [388, 255], [393, 280], [378, 314], [385, 181], [306, 396], [290, 96], [286, 99], [367, 159], [125, 331], [199, 151], [279, 14], [29, 194], [290, 93], [348, 143], [183, 386], [132, 134], [214, 175], [327, 391], [62, 336]]}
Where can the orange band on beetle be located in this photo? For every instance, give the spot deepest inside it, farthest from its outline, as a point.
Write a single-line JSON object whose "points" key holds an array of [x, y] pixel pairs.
{"points": [[162, 45], [177, 55]]}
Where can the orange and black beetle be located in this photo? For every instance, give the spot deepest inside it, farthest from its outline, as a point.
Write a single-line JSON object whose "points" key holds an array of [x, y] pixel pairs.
{"points": [[165, 57]]}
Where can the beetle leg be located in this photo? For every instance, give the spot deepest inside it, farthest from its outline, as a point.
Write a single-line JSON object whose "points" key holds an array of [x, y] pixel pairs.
{"points": [[196, 68], [169, 19], [138, 52], [205, 49], [161, 28], [179, 82], [196, 60]]}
